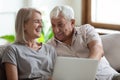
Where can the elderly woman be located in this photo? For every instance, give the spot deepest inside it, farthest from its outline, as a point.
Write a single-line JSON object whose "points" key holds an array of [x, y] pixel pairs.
{"points": [[27, 59]]}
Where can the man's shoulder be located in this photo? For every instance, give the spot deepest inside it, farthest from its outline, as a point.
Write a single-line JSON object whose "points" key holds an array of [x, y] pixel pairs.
{"points": [[47, 46], [84, 26]]}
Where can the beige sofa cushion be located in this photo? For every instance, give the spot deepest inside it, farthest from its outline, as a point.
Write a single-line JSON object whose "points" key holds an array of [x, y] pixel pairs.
{"points": [[111, 46]]}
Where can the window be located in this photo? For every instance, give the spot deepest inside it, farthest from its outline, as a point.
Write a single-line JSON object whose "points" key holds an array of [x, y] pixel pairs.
{"points": [[102, 13]]}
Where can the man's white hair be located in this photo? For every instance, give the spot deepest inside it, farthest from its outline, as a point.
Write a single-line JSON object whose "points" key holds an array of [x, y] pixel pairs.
{"points": [[64, 10]]}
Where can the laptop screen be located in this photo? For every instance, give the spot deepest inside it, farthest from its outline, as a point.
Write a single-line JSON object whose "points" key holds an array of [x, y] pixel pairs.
{"points": [[71, 68]]}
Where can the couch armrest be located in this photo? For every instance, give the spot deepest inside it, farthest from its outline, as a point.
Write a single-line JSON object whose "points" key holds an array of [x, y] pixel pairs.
{"points": [[111, 46]]}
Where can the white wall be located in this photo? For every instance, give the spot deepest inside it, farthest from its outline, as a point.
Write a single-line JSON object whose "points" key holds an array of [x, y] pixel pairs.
{"points": [[41, 4], [76, 4], [8, 9], [10, 5]]}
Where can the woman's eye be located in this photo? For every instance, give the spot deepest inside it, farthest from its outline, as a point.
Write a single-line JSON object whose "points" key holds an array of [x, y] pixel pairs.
{"points": [[35, 21]]}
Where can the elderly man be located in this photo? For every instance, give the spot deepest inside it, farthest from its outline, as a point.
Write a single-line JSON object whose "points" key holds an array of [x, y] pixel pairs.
{"points": [[82, 41]]}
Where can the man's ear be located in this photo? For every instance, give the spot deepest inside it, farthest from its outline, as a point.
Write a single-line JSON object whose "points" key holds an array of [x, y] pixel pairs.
{"points": [[72, 21]]}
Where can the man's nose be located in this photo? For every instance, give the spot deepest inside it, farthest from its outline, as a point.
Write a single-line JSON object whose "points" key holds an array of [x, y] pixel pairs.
{"points": [[56, 29]]}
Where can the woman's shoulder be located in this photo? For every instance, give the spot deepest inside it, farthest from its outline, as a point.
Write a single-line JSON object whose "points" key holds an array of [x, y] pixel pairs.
{"points": [[48, 46], [14, 46]]}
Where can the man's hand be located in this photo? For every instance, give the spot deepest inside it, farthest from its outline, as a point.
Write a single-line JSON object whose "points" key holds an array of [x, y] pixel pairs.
{"points": [[50, 78]]}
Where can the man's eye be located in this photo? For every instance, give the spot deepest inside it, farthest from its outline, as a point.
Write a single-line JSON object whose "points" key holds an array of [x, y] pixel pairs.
{"points": [[53, 25], [60, 25]]}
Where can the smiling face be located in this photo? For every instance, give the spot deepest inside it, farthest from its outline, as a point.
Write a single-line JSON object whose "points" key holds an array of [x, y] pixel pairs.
{"points": [[32, 27], [62, 28]]}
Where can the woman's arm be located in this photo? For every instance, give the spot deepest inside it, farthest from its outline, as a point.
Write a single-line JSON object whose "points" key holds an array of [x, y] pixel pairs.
{"points": [[11, 71]]}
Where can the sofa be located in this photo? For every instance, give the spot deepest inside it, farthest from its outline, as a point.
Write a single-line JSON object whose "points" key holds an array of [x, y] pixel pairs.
{"points": [[111, 46]]}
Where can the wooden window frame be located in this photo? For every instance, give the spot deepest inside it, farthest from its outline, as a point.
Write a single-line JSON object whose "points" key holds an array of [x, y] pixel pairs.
{"points": [[86, 17]]}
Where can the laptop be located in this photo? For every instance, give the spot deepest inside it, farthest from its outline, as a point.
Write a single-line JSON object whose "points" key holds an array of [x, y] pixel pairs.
{"points": [[71, 68]]}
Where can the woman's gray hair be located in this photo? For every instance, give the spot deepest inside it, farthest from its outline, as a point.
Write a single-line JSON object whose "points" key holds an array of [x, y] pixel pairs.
{"points": [[23, 15], [65, 10]]}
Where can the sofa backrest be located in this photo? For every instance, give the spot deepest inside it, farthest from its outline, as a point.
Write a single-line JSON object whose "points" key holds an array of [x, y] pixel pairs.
{"points": [[111, 46], [2, 72]]}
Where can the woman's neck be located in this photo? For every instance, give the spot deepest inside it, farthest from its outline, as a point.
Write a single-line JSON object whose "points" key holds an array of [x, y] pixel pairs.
{"points": [[33, 44]]}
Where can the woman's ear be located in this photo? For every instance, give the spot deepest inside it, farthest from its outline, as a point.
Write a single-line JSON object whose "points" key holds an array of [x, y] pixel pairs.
{"points": [[25, 25]]}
